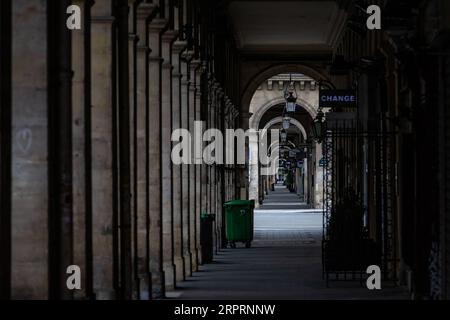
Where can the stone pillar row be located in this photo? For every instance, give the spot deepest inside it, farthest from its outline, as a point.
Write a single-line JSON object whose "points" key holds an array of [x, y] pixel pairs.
{"points": [[135, 216], [218, 180]]}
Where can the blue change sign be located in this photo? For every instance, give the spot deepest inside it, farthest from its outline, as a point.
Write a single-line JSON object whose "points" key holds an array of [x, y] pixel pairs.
{"points": [[337, 98]]}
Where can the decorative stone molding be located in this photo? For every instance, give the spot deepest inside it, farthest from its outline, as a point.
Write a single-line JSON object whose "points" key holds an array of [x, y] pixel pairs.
{"points": [[169, 36], [178, 46], [187, 56], [145, 10], [156, 25]]}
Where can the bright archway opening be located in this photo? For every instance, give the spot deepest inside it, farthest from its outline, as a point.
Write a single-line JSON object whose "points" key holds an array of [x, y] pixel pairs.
{"points": [[288, 203]]}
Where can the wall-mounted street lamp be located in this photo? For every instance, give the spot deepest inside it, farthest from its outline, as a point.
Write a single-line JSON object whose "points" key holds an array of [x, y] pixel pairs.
{"points": [[286, 122], [291, 102], [283, 136], [318, 126], [290, 96]]}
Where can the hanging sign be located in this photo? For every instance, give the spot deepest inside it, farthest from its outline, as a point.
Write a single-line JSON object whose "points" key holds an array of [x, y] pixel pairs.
{"points": [[337, 98]]}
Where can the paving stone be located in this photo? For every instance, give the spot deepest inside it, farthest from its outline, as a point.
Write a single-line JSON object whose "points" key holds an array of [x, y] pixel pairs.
{"points": [[284, 262]]}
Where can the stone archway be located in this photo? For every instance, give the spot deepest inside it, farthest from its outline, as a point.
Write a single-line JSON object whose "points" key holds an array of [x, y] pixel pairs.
{"points": [[254, 153], [256, 117], [295, 122], [264, 73]]}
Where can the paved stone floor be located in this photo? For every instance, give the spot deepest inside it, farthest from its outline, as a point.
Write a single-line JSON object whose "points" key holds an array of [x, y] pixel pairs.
{"points": [[284, 262]]}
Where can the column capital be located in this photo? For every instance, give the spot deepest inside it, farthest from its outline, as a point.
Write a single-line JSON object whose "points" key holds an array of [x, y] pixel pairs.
{"points": [[178, 46], [157, 25], [187, 55], [216, 85], [169, 36], [144, 48], [220, 92], [145, 10], [133, 37], [194, 64]]}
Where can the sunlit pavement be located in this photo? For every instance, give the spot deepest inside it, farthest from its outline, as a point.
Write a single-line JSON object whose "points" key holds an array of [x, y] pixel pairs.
{"points": [[283, 263]]}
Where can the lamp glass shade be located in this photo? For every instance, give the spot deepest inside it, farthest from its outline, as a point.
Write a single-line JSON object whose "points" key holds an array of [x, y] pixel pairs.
{"points": [[286, 122], [290, 102], [317, 129], [283, 135], [290, 106]]}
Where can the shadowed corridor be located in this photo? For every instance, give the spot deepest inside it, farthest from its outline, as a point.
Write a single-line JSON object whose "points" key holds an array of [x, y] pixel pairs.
{"points": [[284, 261]]}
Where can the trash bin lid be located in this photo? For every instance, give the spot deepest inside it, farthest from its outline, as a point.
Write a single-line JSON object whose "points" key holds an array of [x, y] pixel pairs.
{"points": [[238, 202], [205, 215]]}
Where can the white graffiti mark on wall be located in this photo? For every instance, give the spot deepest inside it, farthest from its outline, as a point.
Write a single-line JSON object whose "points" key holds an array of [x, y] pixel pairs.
{"points": [[24, 139]]}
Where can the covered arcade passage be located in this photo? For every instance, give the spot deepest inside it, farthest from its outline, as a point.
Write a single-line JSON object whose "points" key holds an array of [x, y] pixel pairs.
{"points": [[86, 123]]}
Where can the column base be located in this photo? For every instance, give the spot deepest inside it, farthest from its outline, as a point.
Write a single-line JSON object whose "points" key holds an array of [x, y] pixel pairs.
{"points": [[179, 269], [187, 264], [144, 286], [194, 260], [135, 292], [158, 285], [199, 256], [105, 294], [169, 276]]}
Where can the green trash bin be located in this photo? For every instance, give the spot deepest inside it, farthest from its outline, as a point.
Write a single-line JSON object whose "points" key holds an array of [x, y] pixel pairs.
{"points": [[239, 222]]}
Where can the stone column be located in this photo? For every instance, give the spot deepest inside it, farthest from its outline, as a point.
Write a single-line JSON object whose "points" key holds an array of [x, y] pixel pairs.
{"points": [[194, 170], [166, 163], [101, 144], [218, 168], [236, 168], [318, 177], [178, 191], [78, 151], [201, 173], [29, 211], [186, 118], [209, 125], [243, 172], [154, 88], [144, 10], [207, 167], [123, 163], [132, 51], [306, 181], [254, 171]]}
